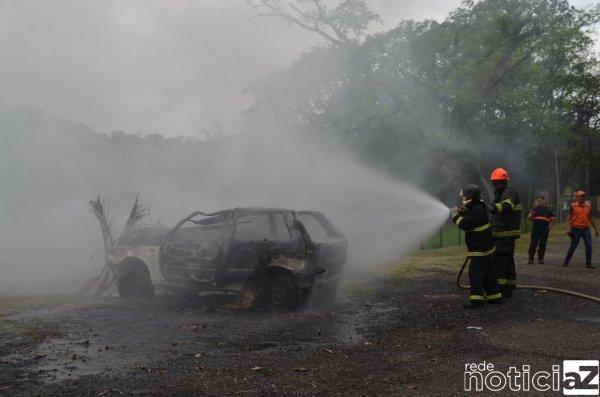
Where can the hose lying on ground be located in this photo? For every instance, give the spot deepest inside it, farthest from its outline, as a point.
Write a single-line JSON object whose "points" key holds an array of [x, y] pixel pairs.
{"points": [[534, 287]]}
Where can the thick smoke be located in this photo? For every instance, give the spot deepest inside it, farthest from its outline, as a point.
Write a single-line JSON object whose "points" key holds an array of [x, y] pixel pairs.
{"points": [[51, 168], [380, 217]]}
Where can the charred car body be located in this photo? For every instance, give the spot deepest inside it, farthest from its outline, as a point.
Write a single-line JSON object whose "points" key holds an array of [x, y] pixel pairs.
{"points": [[277, 257]]}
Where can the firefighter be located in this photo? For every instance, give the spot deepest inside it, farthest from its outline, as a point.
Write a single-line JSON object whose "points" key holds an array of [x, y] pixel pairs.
{"points": [[580, 219], [506, 228], [543, 218], [472, 217]]}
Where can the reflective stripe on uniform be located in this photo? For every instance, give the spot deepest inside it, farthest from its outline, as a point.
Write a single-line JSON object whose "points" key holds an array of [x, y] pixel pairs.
{"points": [[494, 296], [508, 233], [509, 202], [481, 228], [504, 281], [480, 253], [476, 297], [542, 218], [513, 207], [458, 220]]}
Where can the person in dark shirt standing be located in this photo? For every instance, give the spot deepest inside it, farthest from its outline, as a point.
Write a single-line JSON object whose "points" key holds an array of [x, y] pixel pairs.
{"points": [[543, 218]]}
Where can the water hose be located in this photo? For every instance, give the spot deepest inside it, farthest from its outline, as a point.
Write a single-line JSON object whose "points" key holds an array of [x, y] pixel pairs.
{"points": [[533, 287]]}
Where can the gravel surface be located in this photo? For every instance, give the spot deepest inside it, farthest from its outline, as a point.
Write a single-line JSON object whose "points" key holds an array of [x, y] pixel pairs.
{"points": [[387, 336]]}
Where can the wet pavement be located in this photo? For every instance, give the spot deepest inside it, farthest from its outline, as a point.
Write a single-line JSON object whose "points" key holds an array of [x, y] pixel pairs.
{"points": [[389, 336]]}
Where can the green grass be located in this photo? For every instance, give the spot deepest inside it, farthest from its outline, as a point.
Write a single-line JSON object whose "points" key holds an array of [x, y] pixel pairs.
{"points": [[434, 260], [25, 303], [30, 329], [427, 262], [449, 235]]}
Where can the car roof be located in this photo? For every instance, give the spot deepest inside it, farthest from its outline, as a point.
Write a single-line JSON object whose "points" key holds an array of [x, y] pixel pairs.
{"points": [[263, 209]]}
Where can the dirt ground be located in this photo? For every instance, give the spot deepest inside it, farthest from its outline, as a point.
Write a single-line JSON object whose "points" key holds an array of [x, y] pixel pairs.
{"points": [[401, 332]]}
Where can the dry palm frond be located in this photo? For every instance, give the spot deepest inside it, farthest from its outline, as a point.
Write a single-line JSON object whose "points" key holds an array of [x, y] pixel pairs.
{"points": [[137, 216], [100, 208], [105, 282]]}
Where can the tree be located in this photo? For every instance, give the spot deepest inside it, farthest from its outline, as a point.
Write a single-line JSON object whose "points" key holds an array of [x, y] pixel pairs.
{"points": [[341, 25], [490, 86]]}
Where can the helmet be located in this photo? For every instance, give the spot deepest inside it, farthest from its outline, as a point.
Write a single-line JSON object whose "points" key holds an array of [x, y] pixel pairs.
{"points": [[472, 191], [579, 193], [499, 174]]}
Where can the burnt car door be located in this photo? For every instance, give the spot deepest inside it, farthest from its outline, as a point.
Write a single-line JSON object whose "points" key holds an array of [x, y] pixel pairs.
{"points": [[258, 236], [192, 250], [328, 245]]}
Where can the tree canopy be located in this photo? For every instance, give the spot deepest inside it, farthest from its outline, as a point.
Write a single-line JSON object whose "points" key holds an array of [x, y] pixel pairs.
{"points": [[510, 83]]}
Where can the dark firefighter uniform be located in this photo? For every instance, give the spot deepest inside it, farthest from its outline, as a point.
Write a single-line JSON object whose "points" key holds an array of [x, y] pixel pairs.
{"points": [[541, 216], [480, 246], [506, 228]]}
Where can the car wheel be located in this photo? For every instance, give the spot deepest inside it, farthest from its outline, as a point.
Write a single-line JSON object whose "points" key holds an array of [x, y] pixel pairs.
{"points": [[134, 279], [280, 293]]}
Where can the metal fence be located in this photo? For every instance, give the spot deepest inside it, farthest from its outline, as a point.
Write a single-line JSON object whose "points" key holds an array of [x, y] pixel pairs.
{"points": [[449, 235]]}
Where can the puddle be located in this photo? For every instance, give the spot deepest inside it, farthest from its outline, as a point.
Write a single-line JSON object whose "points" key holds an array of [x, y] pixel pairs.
{"points": [[61, 359], [107, 339]]}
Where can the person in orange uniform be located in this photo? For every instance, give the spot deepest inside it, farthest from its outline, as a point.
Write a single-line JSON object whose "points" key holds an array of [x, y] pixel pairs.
{"points": [[580, 219]]}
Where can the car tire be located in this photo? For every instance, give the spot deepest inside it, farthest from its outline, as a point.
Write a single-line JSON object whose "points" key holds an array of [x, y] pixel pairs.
{"points": [[134, 279], [280, 294]]}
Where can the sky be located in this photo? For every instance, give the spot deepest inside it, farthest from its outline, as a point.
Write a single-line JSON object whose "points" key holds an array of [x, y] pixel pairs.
{"points": [[171, 66]]}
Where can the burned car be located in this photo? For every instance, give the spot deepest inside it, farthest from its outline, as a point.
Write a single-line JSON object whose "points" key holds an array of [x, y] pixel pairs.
{"points": [[134, 261], [276, 257]]}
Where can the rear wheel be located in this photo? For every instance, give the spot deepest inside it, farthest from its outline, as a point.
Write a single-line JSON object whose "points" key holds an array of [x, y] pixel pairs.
{"points": [[280, 293], [134, 279]]}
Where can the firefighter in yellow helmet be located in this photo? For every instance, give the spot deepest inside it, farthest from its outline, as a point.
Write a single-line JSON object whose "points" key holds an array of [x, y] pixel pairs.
{"points": [[506, 228]]}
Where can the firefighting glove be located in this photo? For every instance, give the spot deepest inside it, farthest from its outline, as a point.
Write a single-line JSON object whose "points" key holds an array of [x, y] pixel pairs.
{"points": [[453, 212], [491, 208]]}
